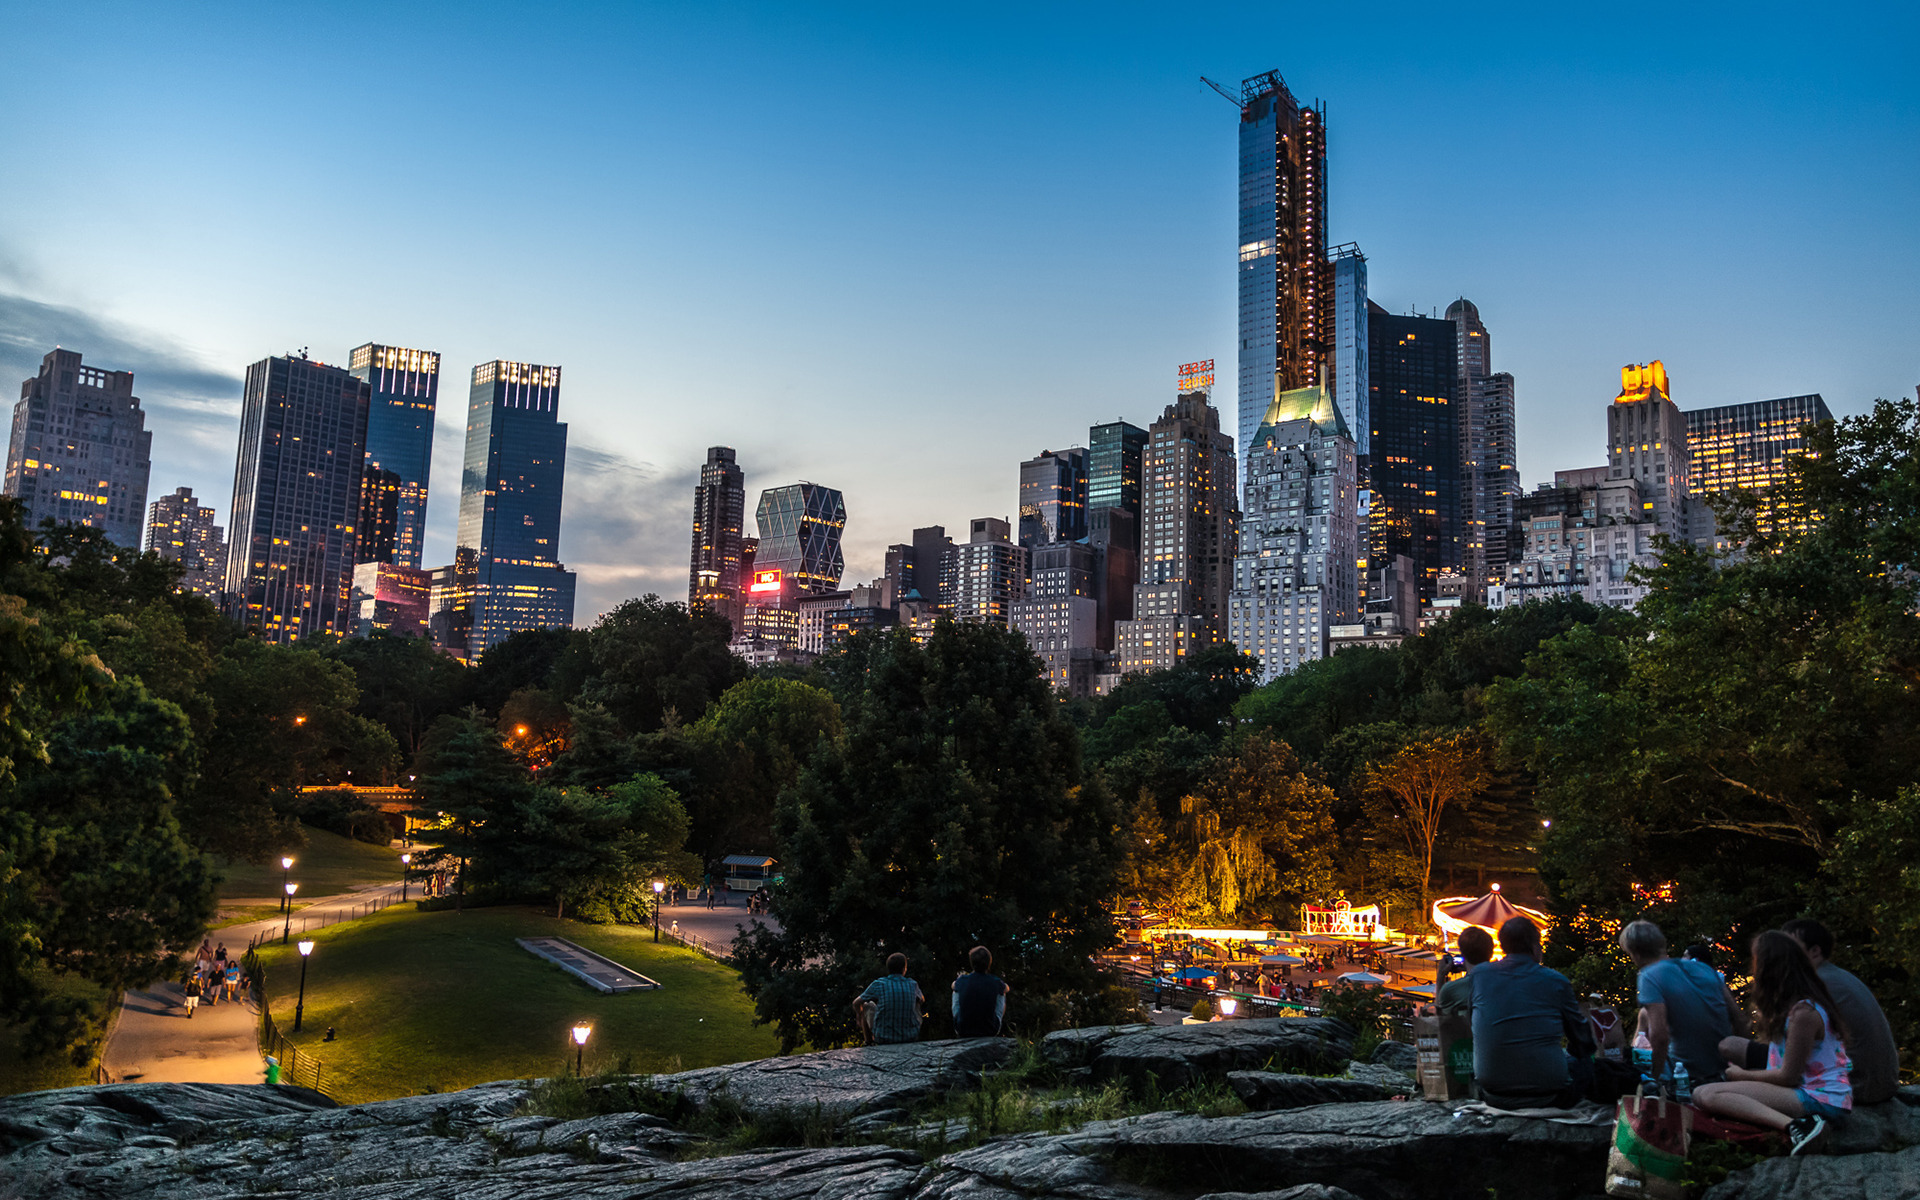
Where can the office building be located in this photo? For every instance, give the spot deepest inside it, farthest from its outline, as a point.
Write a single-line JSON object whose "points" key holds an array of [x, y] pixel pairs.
{"points": [[511, 485], [296, 498], [1114, 451], [1286, 289], [989, 574], [1746, 447], [1347, 372], [825, 622], [1060, 615], [405, 386], [450, 605], [182, 529], [392, 599], [797, 555], [1414, 468], [1492, 479], [1647, 443], [1297, 575], [1053, 497], [719, 518], [79, 450], [378, 533]]}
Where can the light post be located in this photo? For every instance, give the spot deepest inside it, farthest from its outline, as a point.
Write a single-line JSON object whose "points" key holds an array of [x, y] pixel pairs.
{"points": [[657, 888], [286, 872], [581, 1033], [288, 927], [300, 1005], [405, 860]]}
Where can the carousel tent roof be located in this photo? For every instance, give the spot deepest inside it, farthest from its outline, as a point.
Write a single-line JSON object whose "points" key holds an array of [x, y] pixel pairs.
{"points": [[1489, 911]]}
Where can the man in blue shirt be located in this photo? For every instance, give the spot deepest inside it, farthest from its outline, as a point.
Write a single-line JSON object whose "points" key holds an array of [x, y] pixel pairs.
{"points": [[1521, 1013], [979, 998], [889, 1010], [1685, 1007]]}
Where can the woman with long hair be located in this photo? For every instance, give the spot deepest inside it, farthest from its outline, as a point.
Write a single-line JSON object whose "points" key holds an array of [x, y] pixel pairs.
{"points": [[1806, 1081]]}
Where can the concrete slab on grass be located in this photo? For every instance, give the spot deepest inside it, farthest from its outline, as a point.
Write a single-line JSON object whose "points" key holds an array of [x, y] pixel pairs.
{"points": [[595, 970]]}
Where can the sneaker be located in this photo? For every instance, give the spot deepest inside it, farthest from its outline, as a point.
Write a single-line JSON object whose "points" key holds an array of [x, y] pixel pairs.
{"points": [[1805, 1131]]}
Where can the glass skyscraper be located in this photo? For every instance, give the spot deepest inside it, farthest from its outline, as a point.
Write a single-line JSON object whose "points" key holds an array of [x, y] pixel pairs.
{"points": [[1053, 497], [800, 527], [1745, 448], [719, 513], [511, 485], [1414, 471], [405, 388], [1114, 451]]}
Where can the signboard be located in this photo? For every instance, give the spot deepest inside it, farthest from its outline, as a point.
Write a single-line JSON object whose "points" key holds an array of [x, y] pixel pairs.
{"points": [[765, 581], [1196, 376]]}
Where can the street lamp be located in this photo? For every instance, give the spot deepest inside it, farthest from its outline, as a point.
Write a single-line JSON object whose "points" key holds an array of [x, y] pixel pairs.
{"points": [[286, 869], [657, 888], [581, 1033], [405, 859], [288, 927], [300, 1006]]}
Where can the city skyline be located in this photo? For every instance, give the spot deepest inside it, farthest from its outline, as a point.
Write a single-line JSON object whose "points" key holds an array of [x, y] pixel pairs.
{"points": [[1558, 263]]}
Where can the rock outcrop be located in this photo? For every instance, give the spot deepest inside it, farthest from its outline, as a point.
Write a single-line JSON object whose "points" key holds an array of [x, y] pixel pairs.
{"points": [[1179, 1055], [1266, 1091], [842, 1083], [1827, 1177]]}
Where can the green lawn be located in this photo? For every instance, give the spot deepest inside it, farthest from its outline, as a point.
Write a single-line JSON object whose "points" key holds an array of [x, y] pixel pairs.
{"points": [[326, 866], [444, 1000], [40, 1073]]}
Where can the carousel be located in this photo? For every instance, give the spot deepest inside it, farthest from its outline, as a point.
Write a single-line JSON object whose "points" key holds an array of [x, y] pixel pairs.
{"points": [[1456, 914]]}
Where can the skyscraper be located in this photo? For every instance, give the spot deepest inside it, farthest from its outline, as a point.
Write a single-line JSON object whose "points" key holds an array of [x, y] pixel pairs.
{"points": [[406, 391], [719, 512], [1347, 371], [1285, 280], [296, 498], [1647, 443], [511, 486], [1053, 497], [1745, 447], [1114, 451], [1296, 575], [1492, 484], [1415, 465], [79, 448], [989, 574], [180, 528], [798, 555]]}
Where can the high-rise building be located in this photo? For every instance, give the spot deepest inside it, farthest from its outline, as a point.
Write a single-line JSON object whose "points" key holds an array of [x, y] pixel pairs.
{"points": [[1060, 615], [180, 528], [1746, 447], [79, 448], [1053, 497], [393, 599], [719, 517], [797, 555], [1414, 468], [406, 391], [989, 574], [1647, 443], [512, 481], [1114, 450], [1492, 478], [378, 535], [1297, 574], [296, 498], [1347, 372], [1285, 284]]}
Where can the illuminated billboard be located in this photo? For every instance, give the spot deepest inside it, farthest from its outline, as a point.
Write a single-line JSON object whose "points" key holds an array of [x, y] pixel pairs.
{"points": [[1196, 376], [764, 582]]}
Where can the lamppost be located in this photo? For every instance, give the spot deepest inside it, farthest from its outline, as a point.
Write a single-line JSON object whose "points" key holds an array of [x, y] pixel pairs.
{"points": [[300, 1005], [581, 1033], [286, 871], [657, 888], [288, 927], [405, 859]]}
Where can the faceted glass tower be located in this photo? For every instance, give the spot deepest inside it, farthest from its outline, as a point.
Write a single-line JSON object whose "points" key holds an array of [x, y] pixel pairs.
{"points": [[1285, 278], [406, 389], [800, 528], [510, 491], [1053, 497], [719, 512], [79, 450]]}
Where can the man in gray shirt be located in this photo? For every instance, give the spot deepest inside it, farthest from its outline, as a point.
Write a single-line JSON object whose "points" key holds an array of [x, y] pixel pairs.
{"points": [[1521, 1013]]}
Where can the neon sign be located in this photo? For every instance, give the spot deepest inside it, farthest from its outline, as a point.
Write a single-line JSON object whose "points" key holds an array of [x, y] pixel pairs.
{"points": [[1196, 376], [765, 581]]}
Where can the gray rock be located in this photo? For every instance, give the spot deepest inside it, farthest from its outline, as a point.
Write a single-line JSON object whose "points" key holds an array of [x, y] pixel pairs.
{"points": [[1387, 1079], [1398, 1055], [1306, 1191], [1889, 1125], [1177, 1055], [1826, 1176], [67, 1120], [847, 1082], [1265, 1091]]}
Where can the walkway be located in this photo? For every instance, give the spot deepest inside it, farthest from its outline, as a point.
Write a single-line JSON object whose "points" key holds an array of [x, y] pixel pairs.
{"points": [[712, 929], [153, 1041]]}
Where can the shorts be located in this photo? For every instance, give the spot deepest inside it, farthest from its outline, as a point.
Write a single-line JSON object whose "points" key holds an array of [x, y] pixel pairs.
{"points": [[1818, 1107]]}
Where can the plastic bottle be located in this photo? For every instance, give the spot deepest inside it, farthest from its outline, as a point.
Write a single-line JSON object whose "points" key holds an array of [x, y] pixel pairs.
{"points": [[1643, 1054], [1682, 1086]]}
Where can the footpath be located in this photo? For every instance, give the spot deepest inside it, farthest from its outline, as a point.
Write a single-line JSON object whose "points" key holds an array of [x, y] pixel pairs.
{"points": [[710, 929], [154, 1041]]}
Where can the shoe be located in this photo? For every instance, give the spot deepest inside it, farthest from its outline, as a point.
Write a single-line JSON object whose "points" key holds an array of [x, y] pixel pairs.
{"points": [[1805, 1131]]}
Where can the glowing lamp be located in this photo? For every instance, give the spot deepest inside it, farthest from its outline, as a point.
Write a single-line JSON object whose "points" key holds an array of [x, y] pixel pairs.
{"points": [[581, 1033], [306, 947], [292, 888], [1228, 1006]]}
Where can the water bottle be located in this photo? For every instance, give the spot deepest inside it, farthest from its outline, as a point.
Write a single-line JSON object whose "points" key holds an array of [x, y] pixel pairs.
{"points": [[1682, 1087], [1643, 1054]]}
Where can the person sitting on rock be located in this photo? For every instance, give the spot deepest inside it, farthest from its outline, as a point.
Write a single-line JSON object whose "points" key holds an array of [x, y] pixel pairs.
{"points": [[889, 1010], [1455, 998], [1685, 1007], [979, 998], [1521, 1013]]}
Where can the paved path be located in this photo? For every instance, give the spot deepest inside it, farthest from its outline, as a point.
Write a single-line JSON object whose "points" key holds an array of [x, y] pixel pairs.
{"points": [[712, 928], [154, 1040]]}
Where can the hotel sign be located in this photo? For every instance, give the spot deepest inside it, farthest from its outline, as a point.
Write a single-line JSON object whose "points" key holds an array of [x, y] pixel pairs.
{"points": [[1196, 376]]}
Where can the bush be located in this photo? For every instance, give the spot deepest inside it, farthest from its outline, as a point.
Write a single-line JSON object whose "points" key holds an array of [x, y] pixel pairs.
{"points": [[1364, 1008], [1202, 1011]]}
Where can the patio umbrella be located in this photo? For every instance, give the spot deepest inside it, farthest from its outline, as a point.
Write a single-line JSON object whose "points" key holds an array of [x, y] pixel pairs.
{"points": [[1363, 977], [1280, 960], [1194, 973]]}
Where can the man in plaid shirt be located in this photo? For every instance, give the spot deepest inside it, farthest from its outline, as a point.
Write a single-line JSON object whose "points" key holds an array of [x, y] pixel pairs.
{"points": [[889, 1010]]}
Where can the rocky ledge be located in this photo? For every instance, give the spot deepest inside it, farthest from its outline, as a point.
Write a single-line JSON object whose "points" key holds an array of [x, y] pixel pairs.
{"points": [[1317, 1137]]}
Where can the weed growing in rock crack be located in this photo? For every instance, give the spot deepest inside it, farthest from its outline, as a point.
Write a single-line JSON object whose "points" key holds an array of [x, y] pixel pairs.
{"points": [[1710, 1161], [440, 1124], [568, 1098]]}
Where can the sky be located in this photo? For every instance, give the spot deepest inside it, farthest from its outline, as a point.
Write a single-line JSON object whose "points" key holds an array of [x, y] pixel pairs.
{"points": [[896, 249]]}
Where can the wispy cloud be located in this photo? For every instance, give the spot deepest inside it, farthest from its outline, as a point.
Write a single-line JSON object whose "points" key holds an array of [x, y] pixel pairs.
{"points": [[625, 528]]}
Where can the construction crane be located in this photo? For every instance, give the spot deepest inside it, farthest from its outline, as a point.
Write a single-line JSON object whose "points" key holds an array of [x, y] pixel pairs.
{"points": [[1231, 98]]}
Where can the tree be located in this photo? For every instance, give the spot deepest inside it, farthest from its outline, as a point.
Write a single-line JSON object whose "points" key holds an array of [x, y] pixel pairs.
{"points": [[598, 754], [536, 726], [469, 790], [403, 682], [653, 662], [952, 812], [1426, 779], [751, 746], [598, 851]]}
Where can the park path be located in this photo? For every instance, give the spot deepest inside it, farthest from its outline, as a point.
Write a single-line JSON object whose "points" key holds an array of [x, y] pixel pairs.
{"points": [[154, 1041], [711, 929]]}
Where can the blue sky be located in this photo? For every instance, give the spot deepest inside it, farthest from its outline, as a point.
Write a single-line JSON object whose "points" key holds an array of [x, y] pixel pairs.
{"points": [[896, 249]]}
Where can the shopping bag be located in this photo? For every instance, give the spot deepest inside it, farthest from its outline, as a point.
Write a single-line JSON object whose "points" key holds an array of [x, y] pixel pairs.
{"points": [[1650, 1137], [1444, 1046]]}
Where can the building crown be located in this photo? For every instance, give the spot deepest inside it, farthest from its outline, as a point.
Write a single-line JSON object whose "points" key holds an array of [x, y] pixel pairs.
{"points": [[1643, 381]]}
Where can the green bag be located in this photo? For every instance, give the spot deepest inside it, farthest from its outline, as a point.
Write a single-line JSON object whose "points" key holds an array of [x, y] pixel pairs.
{"points": [[1650, 1139]]}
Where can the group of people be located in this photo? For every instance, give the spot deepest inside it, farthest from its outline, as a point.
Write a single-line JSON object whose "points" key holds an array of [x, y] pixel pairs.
{"points": [[1816, 1045], [892, 1007], [211, 976]]}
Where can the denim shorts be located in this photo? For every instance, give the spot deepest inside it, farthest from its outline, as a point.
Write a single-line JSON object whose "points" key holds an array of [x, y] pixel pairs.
{"points": [[1816, 1106]]}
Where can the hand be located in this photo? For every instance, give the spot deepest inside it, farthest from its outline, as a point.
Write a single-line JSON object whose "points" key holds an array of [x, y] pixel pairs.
{"points": [[1738, 1074]]}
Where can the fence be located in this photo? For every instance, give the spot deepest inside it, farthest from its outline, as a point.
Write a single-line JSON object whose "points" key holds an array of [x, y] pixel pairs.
{"points": [[296, 1067], [321, 914], [694, 941]]}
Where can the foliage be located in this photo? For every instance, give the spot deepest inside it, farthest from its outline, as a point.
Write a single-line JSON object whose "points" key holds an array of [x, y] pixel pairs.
{"points": [[655, 664], [1427, 780], [403, 682], [598, 754], [597, 851], [750, 746], [1366, 1009], [952, 812], [467, 790]]}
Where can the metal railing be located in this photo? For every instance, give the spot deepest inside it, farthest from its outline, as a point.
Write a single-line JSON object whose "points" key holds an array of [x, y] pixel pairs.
{"points": [[296, 1066], [351, 912], [694, 941]]}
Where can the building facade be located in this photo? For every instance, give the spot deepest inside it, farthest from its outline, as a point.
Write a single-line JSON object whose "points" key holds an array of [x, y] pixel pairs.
{"points": [[182, 529], [1492, 479], [719, 520], [1746, 448], [391, 599], [1053, 497], [296, 498], [1060, 614], [1347, 372], [1414, 468], [79, 449], [513, 479], [1647, 443], [405, 387], [1297, 575], [989, 574], [796, 556]]}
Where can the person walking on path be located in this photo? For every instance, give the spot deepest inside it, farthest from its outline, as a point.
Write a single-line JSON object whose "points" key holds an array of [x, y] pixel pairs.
{"points": [[232, 980], [888, 1011], [193, 991]]}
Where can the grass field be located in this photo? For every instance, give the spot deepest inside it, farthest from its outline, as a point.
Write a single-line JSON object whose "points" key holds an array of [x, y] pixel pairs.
{"points": [[38, 1074], [443, 1000], [326, 866]]}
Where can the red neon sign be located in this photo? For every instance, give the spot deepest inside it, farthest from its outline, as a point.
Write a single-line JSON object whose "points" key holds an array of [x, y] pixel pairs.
{"points": [[1196, 376], [765, 581]]}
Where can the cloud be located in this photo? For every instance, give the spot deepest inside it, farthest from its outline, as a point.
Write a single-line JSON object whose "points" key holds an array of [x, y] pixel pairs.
{"points": [[625, 529]]}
